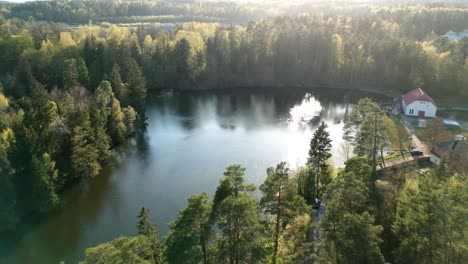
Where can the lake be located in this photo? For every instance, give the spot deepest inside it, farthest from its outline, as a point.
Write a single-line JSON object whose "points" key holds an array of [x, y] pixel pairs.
{"points": [[190, 139]]}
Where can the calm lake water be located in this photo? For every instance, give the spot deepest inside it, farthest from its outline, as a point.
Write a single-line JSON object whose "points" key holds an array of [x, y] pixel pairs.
{"points": [[190, 140]]}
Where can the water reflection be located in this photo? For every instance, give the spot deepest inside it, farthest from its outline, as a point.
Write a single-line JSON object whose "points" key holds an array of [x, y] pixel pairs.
{"points": [[190, 140], [304, 113]]}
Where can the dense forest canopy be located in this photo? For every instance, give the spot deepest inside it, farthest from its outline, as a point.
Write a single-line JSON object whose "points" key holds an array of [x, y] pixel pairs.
{"points": [[383, 48], [71, 92]]}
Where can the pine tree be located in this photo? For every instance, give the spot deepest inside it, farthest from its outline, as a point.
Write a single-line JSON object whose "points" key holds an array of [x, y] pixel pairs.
{"points": [[190, 233], [280, 200], [431, 221], [236, 215], [295, 245], [347, 225], [366, 130]]}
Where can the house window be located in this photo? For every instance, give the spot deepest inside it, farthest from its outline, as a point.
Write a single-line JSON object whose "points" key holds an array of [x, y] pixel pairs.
{"points": [[411, 111]]}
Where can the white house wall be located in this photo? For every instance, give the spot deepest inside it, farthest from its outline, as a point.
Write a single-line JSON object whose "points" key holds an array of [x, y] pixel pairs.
{"points": [[428, 107]]}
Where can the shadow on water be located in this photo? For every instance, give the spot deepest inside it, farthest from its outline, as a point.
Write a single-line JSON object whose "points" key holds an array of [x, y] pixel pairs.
{"points": [[57, 235]]}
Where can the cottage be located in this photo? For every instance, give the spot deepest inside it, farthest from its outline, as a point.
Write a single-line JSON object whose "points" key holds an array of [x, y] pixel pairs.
{"points": [[454, 152], [418, 103]]}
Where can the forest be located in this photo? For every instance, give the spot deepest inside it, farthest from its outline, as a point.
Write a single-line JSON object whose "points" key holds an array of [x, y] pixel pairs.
{"points": [[74, 84]]}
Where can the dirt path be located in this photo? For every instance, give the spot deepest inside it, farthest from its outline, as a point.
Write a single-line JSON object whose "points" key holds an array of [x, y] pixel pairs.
{"points": [[314, 234]]}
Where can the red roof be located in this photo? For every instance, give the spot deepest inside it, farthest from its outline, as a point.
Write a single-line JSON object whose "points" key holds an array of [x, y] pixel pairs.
{"points": [[417, 95], [438, 151]]}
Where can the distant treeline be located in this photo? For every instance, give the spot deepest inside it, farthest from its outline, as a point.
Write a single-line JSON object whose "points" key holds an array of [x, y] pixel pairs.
{"points": [[416, 21], [82, 11]]}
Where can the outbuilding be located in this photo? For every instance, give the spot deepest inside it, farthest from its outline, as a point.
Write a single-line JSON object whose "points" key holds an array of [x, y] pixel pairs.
{"points": [[418, 103], [455, 154]]}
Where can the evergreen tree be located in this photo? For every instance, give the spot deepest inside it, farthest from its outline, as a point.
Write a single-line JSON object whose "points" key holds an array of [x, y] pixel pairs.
{"points": [[431, 221], [150, 231], [361, 169], [83, 75], [280, 199], [295, 245], [319, 153], [101, 115], [352, 238], [102, 104], [366, 131], [45, 179], [347, 225], [8, 214], [136, 86], [71, 75], [130, 116], [40, 112], [306, 184], [181, 57], [117, 127], [85, 155], [117, 84], [190, 233], [237, 218]]}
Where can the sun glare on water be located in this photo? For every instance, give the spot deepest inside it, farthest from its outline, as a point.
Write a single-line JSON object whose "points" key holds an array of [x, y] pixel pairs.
{"points": [[302, 114], [300, 117]]}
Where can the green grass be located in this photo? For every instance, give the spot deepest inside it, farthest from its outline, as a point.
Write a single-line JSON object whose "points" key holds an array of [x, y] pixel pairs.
{"points": [[395, 142]]}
